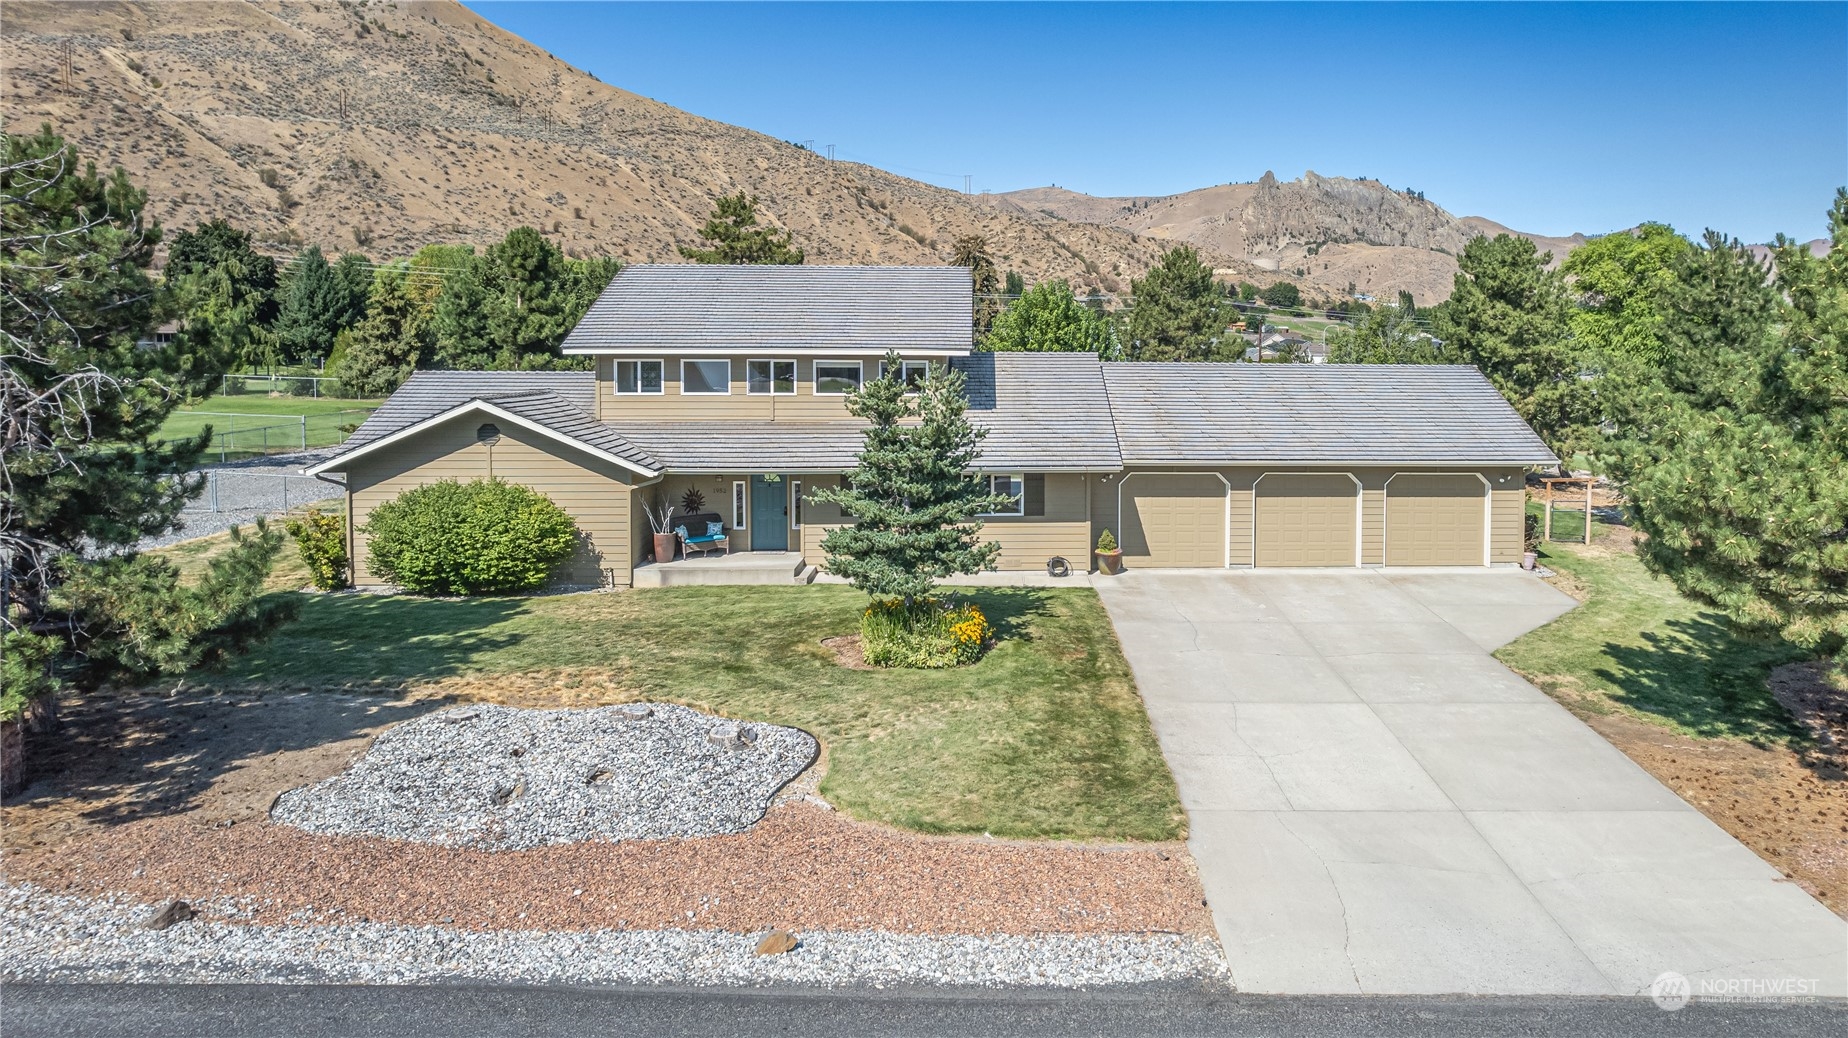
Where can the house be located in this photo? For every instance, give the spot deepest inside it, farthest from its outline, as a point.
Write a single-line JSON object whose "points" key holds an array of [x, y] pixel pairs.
{"points": [[733, 381]]}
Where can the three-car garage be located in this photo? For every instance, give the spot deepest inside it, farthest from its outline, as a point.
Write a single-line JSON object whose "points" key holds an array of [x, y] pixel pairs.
{"points": [[1277, 519]]}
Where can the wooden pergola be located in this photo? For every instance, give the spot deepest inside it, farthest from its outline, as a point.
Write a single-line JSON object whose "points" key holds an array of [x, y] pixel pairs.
{"points": [[1551, 482]]}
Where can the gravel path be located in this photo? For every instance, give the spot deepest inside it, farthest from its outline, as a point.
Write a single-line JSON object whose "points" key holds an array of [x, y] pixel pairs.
{"points": [[506, 778], [266, 486], [57, 937]]}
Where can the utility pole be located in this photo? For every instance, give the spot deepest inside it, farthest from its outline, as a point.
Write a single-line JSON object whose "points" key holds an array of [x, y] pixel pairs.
{"points": [[968, 183], [830, 153], [67, 53]]}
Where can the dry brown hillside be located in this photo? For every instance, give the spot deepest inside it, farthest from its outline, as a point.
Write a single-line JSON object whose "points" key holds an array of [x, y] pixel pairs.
{"points": [[390, 125], [1325, 233]]}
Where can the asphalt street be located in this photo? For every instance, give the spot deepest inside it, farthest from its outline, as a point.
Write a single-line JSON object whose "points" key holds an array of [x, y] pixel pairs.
{"points": [[310, 1011]]}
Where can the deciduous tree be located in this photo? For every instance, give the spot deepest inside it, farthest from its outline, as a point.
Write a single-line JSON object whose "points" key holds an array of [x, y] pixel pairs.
{"points": [[1620, 280], [1389, 335], [1048, 318]]}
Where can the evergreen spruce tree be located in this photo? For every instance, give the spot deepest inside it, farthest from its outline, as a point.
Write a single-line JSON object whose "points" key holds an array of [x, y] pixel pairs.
{"points": [[317, 305], [384, 348], [1734, 453], [915, 494], [1177, 312], [732, 229], [1507, 315], [514, 304]]}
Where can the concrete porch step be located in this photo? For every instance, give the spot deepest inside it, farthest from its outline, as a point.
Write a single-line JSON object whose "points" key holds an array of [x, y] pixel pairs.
{"points": [[758, 567]]}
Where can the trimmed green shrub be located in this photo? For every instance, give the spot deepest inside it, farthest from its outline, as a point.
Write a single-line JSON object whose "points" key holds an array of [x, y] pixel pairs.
{"points": [[927, 634], [483, 537], [320, 537], [1106, 541]]}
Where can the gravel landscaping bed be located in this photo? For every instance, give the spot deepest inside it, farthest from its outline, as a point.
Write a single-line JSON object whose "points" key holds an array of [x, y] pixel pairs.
{"points": [[57, 937], [507, 778]]}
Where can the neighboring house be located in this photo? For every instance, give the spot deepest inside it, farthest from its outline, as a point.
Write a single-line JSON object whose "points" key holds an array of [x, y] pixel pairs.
{"points": [[733, 380]]}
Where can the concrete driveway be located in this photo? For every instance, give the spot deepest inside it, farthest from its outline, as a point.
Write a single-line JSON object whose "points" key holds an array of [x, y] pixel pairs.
{"points": [[1378, 806]]}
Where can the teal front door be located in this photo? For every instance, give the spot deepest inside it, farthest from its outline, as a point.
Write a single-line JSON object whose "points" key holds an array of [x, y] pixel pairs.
{"points": [[769, 514]]}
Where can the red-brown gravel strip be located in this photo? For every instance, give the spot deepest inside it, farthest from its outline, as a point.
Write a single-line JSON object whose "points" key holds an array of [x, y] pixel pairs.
{"points": [[801, 867]]}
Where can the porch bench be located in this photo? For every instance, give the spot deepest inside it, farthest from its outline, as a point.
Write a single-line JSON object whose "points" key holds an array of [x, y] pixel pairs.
{"points": [[691, 531]]}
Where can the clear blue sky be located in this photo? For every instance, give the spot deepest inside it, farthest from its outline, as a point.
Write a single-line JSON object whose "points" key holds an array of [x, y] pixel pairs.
{"points": [[1548, 118]]}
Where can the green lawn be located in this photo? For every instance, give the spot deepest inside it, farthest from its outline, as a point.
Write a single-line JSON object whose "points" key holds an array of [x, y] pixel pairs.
{"points": [[1045, 737], [259, 423], [1636, 645]]}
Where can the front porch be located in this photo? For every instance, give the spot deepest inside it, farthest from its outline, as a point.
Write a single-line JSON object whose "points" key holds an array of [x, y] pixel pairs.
{"points": [[745, 567]]}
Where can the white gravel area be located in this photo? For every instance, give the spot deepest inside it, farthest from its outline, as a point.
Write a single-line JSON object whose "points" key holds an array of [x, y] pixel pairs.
{"points": [[506, 778], [55, 937], [242, 491]]}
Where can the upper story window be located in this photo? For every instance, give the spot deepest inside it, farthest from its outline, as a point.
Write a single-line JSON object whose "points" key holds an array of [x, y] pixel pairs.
{"points": [[776, 377], [912, 371], [638, 376], [837, 377], [705, 377]]}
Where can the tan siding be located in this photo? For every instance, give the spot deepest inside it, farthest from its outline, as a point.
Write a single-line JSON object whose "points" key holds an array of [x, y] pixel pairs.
{"points": [[594, 492], [1028, 541], [1507, 514], [671, 405]]}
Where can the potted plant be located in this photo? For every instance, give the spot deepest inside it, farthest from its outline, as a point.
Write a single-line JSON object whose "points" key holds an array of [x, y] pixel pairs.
{"points": [[661, 520], [1109, 556]]}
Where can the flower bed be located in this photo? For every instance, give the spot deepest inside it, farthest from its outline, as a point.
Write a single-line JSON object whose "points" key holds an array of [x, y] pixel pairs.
{"points": [[925, 634]]}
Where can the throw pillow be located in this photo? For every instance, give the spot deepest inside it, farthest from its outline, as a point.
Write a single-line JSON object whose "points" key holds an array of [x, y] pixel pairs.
{"points": [[715, 529]]}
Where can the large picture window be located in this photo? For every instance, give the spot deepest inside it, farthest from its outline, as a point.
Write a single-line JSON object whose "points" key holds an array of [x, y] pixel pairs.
{"points": [[705, 377], [638, 376], [837, 377], [1013, 485], [775, 377]]}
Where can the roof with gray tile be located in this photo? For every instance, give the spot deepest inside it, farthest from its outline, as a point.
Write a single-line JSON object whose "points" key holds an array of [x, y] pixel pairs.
{"points": [[1207, 413], [562, 401], [1047, 412], [745, 445], [679, 308]]}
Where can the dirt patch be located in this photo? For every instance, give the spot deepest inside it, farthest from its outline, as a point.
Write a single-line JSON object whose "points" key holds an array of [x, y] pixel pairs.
{"points": [[1789, 807], [167, 797], [1819, 706], [848, 652], [212, 760]]}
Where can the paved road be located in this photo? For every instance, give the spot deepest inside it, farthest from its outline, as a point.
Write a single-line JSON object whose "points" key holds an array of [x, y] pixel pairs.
{"points": [[1378, 806], [225, 1011]]}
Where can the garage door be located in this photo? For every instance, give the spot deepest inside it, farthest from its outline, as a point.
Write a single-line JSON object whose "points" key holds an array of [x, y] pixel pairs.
{"points": [[1306, 520], [1434, 520], [1174, 520]]}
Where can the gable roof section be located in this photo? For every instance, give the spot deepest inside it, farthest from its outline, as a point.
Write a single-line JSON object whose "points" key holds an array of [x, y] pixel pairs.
{"points": [[1213, 413], [738, 445], [764, 311], [1044, 412], [556, 404]]}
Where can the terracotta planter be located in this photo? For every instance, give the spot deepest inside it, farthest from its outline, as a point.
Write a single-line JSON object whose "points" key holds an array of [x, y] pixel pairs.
{"points": [[1110, 562], [664, 547]]}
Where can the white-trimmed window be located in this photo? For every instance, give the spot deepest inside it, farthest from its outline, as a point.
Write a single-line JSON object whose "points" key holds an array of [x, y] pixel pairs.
{"points": [[837, 377], [638, 376], [770, 377], [741, 511], [795, 497], [705, 377], [911, 371], [1014, 485]]}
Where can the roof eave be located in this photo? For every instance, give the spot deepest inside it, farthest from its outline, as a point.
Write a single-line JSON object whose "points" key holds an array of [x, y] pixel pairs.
{"points": [[338, 461]]}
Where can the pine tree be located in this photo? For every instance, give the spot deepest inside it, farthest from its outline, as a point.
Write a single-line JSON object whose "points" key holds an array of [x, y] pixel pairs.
{"points": [[732, 229], [84, 479], [915, 493], [1178, 312], [1732, 453], [1507, 315]]}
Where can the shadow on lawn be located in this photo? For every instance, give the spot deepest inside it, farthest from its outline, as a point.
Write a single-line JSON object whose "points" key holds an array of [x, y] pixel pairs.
{"points": [[1701, 675], [1011, 610], [362, 640]]}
